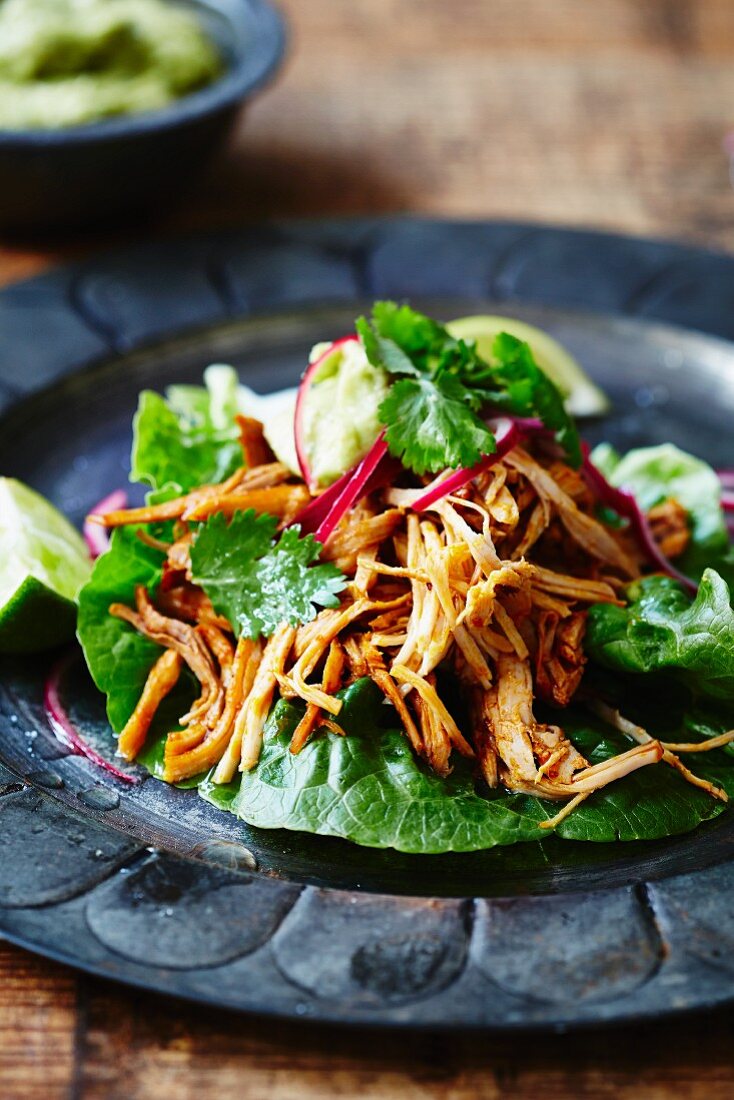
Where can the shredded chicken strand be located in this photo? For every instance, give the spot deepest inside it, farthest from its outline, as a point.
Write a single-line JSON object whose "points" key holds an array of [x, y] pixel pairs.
{"points": [[161, 680], [208, 752], [631, 729]]}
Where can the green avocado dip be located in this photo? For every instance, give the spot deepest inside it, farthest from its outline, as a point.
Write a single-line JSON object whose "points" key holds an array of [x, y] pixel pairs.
{"points": [[69, 62], [340, 419]]}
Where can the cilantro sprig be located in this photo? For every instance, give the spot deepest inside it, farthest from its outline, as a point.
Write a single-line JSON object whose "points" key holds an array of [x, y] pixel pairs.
{"points": [[432, 423], [258, 582], [441, 386], [518, 385]]}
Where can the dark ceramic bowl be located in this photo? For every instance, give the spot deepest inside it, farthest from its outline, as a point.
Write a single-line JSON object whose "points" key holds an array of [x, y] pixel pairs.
{"points": [[82, 174]]}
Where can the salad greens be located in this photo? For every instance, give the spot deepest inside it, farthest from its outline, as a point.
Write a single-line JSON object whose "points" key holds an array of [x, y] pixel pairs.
{"points": [[119, 658], [188, 438], [663, 630], [180, 441], [432, 411], [256, 582], [369, 787], [518, 385], [654, 474]]}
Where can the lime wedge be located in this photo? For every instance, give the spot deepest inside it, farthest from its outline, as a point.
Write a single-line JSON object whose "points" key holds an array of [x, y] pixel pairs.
{"points": [[583, 397], [43, 563]]}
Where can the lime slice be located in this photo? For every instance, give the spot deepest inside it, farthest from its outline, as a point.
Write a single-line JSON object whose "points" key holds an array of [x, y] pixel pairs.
{"points": [[43, 564], [583, 397]]}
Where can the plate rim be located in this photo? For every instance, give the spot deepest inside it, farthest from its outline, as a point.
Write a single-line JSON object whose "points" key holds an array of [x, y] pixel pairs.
{"points": [[389, 1013]]}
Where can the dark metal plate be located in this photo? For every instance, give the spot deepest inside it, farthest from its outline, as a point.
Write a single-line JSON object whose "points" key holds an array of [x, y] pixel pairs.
{"points": [[278, 922]]}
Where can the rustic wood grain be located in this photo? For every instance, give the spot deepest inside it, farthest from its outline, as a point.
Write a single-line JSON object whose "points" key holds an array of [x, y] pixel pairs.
{"points": [[138, 1048], [38, 1021], [608, 113]]}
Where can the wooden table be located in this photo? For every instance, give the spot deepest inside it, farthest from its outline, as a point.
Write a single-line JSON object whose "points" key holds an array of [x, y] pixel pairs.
{"points": [[608, 113]]}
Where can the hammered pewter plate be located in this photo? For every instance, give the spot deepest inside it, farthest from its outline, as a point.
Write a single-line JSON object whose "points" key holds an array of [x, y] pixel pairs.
{"points": [[150, 885]]}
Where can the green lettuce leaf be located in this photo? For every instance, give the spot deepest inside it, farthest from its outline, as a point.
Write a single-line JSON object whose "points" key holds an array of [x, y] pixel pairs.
{"points": [[119, 659], [369, 788], [190, 437], [258, 583], [662, 629], [649, 804], [654, 474]]}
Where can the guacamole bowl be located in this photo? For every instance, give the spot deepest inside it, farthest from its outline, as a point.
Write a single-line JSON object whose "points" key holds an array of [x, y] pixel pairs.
{"points": [[91, 173]]}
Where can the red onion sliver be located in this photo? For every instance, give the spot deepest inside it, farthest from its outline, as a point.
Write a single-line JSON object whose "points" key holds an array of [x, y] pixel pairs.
{"points": [[531, 424], [95, 536], [726, 477], [303, 389], [355, 488], [507, 433], [647, 541], [727, 501], [64, 729], [316, 511]]}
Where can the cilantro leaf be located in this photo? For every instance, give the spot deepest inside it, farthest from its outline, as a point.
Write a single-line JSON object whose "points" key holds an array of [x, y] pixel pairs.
{"points": [[383, 352], [368, 339], [430, 418], [427, 345], [516, 383], [431, 424], [417, 335], [451, 383], [258, 583]]}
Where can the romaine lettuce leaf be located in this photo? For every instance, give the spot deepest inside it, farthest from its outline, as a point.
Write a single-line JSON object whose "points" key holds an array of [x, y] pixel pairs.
{"points": [[662, 629], [190, 437], [119, 659], [369, 788], [649, 804]]}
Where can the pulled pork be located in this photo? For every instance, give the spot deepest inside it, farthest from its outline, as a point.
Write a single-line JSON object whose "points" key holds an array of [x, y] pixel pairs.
{"points": [[489, 587]]}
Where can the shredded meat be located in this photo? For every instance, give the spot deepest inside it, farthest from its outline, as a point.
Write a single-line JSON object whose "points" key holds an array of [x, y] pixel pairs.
{"points": [[489, 587], [583, 529], [283, 501], [182, 637], [181, 761], [560, 660], [670, 527], [255, 448], [162, 678], [330, 682]]}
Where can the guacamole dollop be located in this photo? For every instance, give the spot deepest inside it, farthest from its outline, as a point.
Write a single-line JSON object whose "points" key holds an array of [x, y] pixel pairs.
{"points": [[69, 62], [341, 419]]}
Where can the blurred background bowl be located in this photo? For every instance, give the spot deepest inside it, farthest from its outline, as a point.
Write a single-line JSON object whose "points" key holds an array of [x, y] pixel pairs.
{"points": [[91, 173]]}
